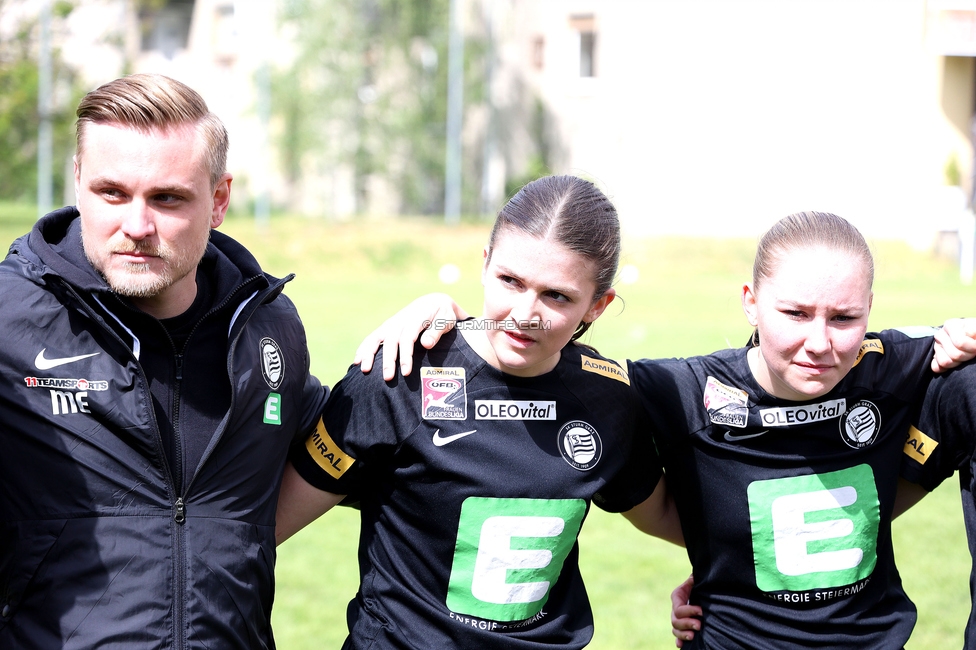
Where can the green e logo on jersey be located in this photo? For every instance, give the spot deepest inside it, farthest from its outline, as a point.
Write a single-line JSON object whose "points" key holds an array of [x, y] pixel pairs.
{"points": [[509, 553], [814, 532]]}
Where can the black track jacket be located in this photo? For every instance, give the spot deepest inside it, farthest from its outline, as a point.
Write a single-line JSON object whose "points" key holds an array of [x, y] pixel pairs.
{"points": [[99, 545]]}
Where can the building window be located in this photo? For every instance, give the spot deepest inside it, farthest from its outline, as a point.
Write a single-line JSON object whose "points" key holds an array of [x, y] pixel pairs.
{"points": [[538, 52], [166, 29], [224, 33], [585, 27]]}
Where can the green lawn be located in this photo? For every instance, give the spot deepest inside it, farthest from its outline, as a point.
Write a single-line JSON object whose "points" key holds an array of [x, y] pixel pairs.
{"points": [[686, 301]]}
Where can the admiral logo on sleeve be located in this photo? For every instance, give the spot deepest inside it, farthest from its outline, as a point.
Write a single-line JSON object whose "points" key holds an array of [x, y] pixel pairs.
{"points": [[443, 394], [605, 368], [919, 446], [869, 345], [326, 453]]}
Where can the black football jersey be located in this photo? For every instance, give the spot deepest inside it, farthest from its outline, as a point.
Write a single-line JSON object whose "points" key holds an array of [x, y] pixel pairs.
{"points": [[942, 442], [785, 505], [473, 485]]}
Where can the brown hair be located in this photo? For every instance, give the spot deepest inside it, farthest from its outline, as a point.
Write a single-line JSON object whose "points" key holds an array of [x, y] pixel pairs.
{"points": [[154, 101], [572, 212]]}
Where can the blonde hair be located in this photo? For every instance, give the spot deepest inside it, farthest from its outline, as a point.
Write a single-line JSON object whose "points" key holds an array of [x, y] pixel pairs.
{"points": [[805, 229], [154, 101]]}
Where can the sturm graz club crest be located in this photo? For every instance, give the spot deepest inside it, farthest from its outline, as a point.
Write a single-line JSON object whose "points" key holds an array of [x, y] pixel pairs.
{"points": [[860, 424], [580, 444], [272, 363]]}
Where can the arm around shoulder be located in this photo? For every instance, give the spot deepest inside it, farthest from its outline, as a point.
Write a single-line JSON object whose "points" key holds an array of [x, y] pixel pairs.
{"points": [[426, 318]]}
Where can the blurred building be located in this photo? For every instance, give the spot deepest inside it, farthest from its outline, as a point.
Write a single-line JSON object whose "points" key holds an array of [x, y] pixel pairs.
{"points": [[696, 116], [216, 46], [718, 117]]}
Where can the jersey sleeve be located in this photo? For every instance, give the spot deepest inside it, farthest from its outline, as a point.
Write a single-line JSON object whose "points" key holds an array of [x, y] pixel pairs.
{"points": [[640, 474], [942, 439], [911, 350], [356, 427], [669, 394]]}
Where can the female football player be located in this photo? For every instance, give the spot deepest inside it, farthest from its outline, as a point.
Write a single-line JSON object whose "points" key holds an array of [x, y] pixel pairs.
{"points": [[783, 456], [947, 442], [474, 474]]}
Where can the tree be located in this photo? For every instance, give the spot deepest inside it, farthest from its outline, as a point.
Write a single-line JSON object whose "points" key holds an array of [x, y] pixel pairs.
{"points": [[366, 89], [19, 119]]}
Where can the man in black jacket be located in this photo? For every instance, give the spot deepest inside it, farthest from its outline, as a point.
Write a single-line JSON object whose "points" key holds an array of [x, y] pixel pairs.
{"points": [[152, 378]]}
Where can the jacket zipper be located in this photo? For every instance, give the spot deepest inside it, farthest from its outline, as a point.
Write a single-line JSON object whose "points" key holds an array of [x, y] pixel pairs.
{"points": [[262, 296], [178, 477], [179, 513], [179, 505], [179, 557]]}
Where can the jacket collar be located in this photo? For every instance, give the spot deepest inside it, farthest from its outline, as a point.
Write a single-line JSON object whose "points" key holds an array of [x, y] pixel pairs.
{"points": [[56, 241]]}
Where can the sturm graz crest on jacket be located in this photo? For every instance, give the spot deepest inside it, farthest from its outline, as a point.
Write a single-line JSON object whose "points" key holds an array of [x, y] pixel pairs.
{"points": [[272, 362]]}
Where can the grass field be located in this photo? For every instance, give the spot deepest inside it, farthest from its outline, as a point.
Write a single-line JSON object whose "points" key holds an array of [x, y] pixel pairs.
{"points": [[352, 276]]}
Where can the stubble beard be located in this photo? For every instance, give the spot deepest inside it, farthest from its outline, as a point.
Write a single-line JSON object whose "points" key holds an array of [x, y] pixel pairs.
{"points": [[138, 279]]}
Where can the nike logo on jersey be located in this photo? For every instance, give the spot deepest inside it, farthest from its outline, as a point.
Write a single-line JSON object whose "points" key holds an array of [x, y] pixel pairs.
{"points": [[731, 438], [42, 363], [440, 440]]}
